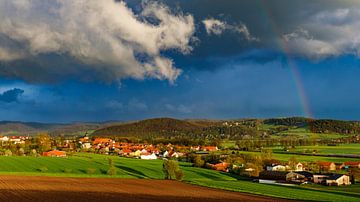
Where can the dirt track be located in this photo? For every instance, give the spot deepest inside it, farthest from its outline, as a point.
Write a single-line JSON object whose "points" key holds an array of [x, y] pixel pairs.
{"points": [[19, 188]]}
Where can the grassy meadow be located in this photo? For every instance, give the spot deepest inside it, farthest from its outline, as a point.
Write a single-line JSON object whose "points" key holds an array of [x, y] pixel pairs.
{"points": [[79, 165], [323, 149]]}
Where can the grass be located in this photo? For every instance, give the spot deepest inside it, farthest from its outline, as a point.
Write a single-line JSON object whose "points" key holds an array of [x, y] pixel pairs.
{"points": [[78, 165], [302, 158], [340, 149]]}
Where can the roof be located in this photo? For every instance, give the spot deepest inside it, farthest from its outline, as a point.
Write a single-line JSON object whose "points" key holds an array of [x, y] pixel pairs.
{"points": [[335, 176], [102, 140], [223, 164], [304, 173], [351, 163], [55, 152], [325, 163], [126, 151], [273, 175]]}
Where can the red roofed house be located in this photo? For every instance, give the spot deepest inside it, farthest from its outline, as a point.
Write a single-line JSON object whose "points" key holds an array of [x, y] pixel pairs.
{"points": [[55, 153], [221, 167], [326, 166], [210, 148], [125, 152], [350, 164]]}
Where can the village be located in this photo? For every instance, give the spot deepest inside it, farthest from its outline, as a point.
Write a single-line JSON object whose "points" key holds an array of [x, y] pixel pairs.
{"points": [[268, 171]]}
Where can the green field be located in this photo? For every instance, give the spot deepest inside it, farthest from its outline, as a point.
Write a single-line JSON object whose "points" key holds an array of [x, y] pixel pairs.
{"points": [[76, 166], [303, 158], [340, 149]]}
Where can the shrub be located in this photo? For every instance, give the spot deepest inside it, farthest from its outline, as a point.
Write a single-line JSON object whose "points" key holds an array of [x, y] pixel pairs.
{"points": [[8, 152], [111, 171], [198, 162], [33, 153], [43, 169], [171, 170], [91, 171], [179, 174]]}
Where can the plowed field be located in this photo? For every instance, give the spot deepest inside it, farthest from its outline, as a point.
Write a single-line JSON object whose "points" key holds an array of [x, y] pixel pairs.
{"points": [[20, 188]]}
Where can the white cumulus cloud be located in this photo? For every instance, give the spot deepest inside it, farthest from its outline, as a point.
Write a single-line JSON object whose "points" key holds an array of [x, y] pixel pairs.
{"points": [[217, 27], [327, 34], [105, 35]]}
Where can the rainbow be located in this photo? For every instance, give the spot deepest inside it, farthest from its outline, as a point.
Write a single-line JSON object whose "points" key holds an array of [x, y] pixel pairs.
{"points": [[283, 44]]}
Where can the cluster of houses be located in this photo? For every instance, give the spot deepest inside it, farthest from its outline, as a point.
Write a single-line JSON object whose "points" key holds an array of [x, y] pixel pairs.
{"points": [[283, 174], [14, 139], [300, 177], [138, 150]]}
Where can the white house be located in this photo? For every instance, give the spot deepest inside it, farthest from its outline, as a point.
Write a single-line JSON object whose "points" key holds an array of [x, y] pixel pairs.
{"points": [[149, 157], [276, 168], [299, 167], [4, 138], [172, 154], [16, 140], [337, 180], [86, 145]]}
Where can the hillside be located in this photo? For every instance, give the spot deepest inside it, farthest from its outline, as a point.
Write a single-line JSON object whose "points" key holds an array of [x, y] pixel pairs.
{"points": [[230, 129], [32, 128], [155, 127]]}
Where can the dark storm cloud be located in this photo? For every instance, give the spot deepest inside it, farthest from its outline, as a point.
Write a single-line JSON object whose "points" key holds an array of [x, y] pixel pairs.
{"points": [[271, 21], [11, 95]]}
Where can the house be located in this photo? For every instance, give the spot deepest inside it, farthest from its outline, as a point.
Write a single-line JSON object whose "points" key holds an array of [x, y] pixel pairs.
{"points": [[148, 156], [350, 164], [210, 148], [172, 154], [16, 140], [273, 175], [196, 148], [86, 145], [326, 166], [337, 180], [299, 167], [307, 175], [4, 138], [125, 152], [281, 176], [275, 167], [102, 142], [54, 153], [320, 178], [136, 153], [221, 167]]}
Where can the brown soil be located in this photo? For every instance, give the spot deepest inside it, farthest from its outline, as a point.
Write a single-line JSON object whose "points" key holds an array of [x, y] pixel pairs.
{"points": [[20, 188]]}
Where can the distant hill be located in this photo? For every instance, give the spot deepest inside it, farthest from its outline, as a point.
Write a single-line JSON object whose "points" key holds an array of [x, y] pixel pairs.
{"points": [[193, 128], [32, 128], [157, 126], [318, 125]]}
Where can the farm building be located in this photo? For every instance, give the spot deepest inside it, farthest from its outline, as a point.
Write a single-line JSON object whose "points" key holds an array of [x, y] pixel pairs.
{"points": [[55, 153], [276, 168], [281, 176], [320, 178], [307, 175], [337, 180]]}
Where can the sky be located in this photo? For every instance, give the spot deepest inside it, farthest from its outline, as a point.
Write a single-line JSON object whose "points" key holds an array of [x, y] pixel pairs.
{"points": [[100, 60]]}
